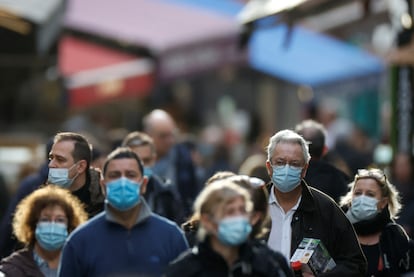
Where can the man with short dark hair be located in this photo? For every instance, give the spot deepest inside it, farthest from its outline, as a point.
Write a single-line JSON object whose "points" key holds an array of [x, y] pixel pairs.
{"points": [[160, 195], [69, 167], [126, 239]]}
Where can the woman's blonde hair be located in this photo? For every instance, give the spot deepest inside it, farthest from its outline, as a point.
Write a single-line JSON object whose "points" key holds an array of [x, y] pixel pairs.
{"points": [[387, 189], [28, 211], [214, 197]]}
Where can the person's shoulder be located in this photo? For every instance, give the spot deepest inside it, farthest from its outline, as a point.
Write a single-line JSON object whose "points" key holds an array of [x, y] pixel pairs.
{"points": [[90, 227], [163, 222], [261, 249], [22, 254], [160, 185], [18, 263], [320, 196], [326, 204], [321, 167], [186, 264]]}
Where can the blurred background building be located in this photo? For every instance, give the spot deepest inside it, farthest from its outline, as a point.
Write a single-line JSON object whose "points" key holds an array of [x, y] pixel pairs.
{"points": [[231, 72]]}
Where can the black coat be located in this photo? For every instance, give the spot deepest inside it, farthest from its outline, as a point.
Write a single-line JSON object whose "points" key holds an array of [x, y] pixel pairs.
{"points": [[327, 178], [256, 259], [162, 199], [319, 217]]}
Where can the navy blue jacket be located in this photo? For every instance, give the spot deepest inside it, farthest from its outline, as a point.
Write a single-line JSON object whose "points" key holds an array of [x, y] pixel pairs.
{"points": [[102, 247]]}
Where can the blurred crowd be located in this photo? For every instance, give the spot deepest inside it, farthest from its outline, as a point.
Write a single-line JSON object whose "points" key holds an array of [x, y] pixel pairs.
{"points": [[157, 201]]}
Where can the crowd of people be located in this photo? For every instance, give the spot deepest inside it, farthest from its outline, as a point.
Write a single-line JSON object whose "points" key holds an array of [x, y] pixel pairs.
{"points": [[145, 210]]}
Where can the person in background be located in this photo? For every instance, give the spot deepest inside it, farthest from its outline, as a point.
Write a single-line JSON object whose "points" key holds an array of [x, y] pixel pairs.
{"points": [[4, 196], [160, 195], [69, 167], [255, 166], [371, 205], [258, 192], [126, 239], [42, 223], [174, 161], [320, 174], [8, 242], [299, 211], [402, 177], [224, 248], [190, 227]]}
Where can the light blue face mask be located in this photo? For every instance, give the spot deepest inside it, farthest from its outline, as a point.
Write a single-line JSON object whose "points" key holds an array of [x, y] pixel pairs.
{"points": [[234, 230], [286, 178], [60, 177], [123, 193], [148, 171], [362, 208], [51, 235]]}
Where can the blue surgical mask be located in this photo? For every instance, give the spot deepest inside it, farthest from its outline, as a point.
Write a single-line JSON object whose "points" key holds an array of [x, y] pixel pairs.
{"points": [[362, 208], [123, 194], [148, 171], [234, 231], [286, 178], [51, 235], [60, 177]]}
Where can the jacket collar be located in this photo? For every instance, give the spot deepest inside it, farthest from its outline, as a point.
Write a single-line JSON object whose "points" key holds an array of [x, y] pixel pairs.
{"points": [[308, 201], [144, 213]]}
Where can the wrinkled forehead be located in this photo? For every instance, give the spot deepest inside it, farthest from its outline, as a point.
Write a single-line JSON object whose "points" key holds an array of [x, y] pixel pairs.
{"points": [[288, 148], [122, 165]]}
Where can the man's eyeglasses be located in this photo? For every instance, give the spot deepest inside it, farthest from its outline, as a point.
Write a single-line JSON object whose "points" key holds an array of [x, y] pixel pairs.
{"points": [[375, 173], [283, 163]]}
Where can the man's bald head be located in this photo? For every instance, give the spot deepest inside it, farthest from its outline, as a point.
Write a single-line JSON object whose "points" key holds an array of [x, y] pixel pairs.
{"points": [[313, 132], [162, 128]]}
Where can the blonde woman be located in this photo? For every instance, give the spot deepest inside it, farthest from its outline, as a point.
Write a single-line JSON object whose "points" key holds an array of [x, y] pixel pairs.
{"points": [[371, 205], [224, 248], [42, 223]]}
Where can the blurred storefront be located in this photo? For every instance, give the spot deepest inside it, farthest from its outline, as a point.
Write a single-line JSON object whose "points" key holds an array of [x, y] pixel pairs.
{"points": [[94, 74], [195, 59]]}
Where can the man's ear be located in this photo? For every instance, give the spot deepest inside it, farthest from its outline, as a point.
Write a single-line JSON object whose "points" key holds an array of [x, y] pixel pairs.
{"points": [[305, 168], [325, 150], [269, 168], [82, 166], [144, 184]]}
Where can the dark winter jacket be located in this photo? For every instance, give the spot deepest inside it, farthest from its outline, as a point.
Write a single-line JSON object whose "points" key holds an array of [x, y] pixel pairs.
{"points": [[319, 217], [256, 259], [395, 248], [327, 178], [163, 200], [96, 201], [20, 264]]}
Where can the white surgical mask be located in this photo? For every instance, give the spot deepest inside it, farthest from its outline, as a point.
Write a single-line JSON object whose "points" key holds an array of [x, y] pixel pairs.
{"points": [[362, 208], [60, 177]]}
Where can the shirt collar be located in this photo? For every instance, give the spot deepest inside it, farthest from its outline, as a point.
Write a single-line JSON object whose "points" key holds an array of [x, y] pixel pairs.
{"points": [[273, 199], [39, 261], [144, 213]]}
